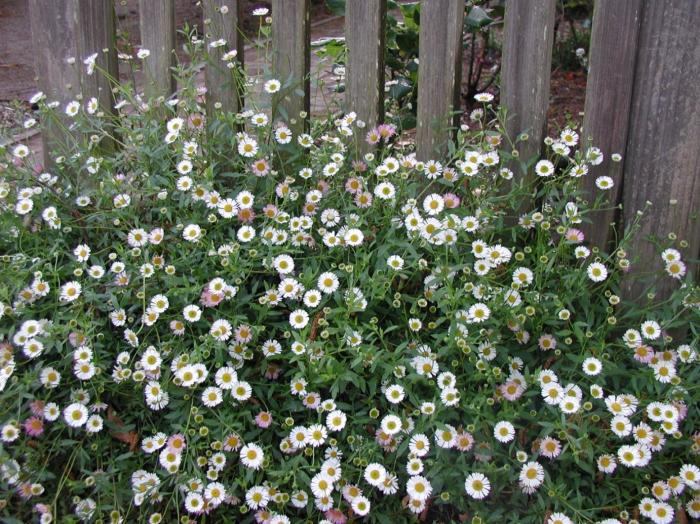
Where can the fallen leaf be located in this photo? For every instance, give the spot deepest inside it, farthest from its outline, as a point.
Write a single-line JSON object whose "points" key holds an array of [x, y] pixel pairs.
{"points": [[127, 437]]}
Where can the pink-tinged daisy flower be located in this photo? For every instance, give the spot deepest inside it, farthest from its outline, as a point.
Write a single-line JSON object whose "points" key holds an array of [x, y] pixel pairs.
{"points": [[272, 372], [270, 211], [263, 419], [353, 185], [547, 342], [33, 426], [373, 136], [246, 215], [37, 408], [386, 131], [550, 447], [196, 121], [451, 200], [24, 490], [209, 298], [243, 334], [363, 199], [309, 209], [574, 236], [177, 443], [260, 167], [511, 390], [232, 442], [644, 354], [465, 441], [359, 166], [336, 516]]}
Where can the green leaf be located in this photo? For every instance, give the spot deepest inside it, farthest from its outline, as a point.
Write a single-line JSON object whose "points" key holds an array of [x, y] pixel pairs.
{"points": [[477, 18], [337, 7]]}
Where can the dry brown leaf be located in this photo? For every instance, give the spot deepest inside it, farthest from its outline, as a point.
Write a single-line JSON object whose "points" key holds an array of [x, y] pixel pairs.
{"points": [[127, 437]]}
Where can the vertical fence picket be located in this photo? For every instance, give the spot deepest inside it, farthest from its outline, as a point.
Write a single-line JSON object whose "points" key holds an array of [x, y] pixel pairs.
{"points": [[526, 70], [439, 75], [608, 96], [157, 22], [364, 75], [222, 18], [53, 26], [97, 33], [662, 163], [291, 47]]}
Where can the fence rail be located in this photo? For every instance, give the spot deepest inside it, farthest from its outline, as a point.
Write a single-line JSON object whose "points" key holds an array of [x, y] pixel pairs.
{"points": [[641, 100]]}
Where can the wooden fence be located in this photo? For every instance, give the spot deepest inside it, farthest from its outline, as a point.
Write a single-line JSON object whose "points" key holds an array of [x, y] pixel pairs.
{"points": [[642, 99]]}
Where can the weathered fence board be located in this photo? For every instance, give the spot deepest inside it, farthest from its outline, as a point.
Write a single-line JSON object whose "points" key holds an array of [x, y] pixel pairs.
{"points": [[157, 22], [221, 19], [364, 76], [663, 157], [439, 75], [96, 33], [613, 51], [53, 26], [526, 70], [291, 40]]}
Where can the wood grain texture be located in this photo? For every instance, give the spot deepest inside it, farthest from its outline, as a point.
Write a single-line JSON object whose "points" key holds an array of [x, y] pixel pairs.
{"points": [[97, 34], [157, 23], [526, 71], [53, 26], [291, 41], [222, 92], [612, 59], [439, 75], [663, 154], [365, 22]]}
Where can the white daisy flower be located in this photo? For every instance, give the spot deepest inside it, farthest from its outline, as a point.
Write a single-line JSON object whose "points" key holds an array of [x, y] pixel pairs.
{"points": [[298, 319], [597, 272], [504, 431], [252, 456], [75, 415], [477, 486]]}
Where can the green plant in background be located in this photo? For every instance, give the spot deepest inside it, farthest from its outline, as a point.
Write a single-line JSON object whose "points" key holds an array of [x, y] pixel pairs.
{"points": [[481, 52], [572, 35], [481, 60]]}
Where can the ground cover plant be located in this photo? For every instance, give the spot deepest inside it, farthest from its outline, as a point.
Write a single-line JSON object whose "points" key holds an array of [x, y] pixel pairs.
{"points": [[214, 319]]}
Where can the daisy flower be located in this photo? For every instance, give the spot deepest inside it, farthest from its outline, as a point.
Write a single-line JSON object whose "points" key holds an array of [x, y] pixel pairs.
{"points": [[559, 518], [252, 456], [531, 475], [375, 474], [70, 291], [361, 505], [75, 415], [419, 488], [544, 168], [477, 486], [272, 86], [395, 262], [328, 282], [504, 432], [592, 366], [192, 233], [298, 319], [651, 330], [353, 237], [391, 424], [597, 272]]}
